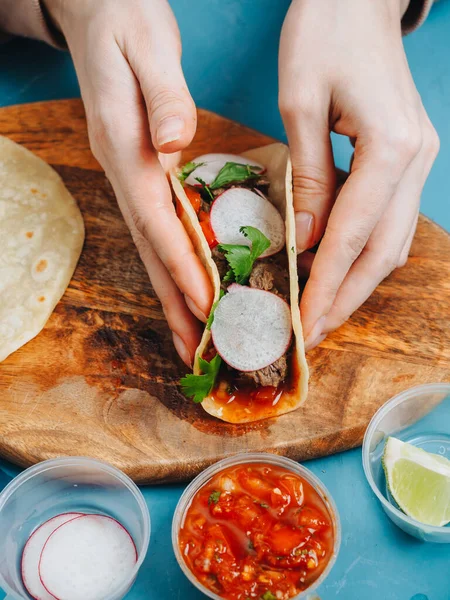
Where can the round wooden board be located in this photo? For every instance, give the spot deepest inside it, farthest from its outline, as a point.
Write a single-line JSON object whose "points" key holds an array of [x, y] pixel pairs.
{"points": [[101, 378]]}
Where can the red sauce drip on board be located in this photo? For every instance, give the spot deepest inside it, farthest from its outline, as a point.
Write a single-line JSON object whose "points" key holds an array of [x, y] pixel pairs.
{"points": [[257, 531]]}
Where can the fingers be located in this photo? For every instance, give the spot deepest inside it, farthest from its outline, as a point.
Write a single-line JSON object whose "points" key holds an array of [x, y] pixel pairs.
{"points": [[169, 161], [143, 191], [154, 54], [377, 170], [185, 328], [407, 246], [379, 258], [390, 241], [314, 176], [124, 149]]}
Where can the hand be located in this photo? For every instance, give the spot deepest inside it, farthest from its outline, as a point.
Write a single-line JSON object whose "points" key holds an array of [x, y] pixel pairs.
{"points": [[127, 58], [343, 68]]}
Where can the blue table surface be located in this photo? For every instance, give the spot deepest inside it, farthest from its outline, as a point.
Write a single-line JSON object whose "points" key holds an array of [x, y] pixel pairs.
{"points": [[377, 561]]}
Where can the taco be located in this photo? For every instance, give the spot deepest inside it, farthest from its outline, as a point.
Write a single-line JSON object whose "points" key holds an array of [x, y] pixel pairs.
{"points": [[238, 212]]}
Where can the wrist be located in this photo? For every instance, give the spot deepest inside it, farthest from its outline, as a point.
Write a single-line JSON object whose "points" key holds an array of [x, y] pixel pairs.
{"points": [[400, 6], [62, 13]]}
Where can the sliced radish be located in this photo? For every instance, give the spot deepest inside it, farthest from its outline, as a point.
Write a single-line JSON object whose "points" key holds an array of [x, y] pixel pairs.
{"points": [[32, 554], [87, 558], [213, 163], [238, 207], [251, 328]]}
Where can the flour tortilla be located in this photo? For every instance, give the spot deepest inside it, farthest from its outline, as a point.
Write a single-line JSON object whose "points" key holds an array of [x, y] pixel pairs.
{"points": [[276, 159], [41, 237]]}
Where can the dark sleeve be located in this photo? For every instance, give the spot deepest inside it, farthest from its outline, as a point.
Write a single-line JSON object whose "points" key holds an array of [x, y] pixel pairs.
{"points": [[415, 14]]}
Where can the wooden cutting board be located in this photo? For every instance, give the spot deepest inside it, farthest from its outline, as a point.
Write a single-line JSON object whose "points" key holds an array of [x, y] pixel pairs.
{"points": [[101, 378]]}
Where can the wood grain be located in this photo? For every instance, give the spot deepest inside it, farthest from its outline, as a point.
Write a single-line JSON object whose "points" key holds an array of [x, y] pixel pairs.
{"points": [[101, 379]]}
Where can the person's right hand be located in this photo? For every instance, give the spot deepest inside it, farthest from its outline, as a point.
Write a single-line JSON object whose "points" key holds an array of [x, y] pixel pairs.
{"points": [[127, 57]]}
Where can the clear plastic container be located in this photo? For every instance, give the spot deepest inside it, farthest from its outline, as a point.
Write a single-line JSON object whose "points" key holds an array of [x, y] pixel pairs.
{"points": [[264, 458], [420, 416], [60, 486]]}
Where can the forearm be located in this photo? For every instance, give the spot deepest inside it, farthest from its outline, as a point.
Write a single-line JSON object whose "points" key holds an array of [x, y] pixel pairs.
{"points": [[28, 18]]}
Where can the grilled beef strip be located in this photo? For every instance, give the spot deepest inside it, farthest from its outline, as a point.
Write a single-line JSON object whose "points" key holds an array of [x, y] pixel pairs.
{"points": [[271, 375], [272, 275]]}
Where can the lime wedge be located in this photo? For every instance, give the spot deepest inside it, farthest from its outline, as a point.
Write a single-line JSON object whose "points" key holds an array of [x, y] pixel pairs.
{"points": [[419, 482]]}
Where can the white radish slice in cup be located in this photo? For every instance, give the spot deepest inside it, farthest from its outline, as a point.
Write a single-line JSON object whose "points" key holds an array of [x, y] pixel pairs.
{"points": [[251, 328], [213, 163], [238, 207], [87, 558], [32, 554]]}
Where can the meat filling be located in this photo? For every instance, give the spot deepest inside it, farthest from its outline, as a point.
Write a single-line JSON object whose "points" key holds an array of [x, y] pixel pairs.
{"points": [[272, 375], [270, 276], [222, 266]]}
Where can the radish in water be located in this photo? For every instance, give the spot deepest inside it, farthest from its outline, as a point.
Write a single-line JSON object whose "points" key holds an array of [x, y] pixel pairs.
{"points": [[251, 328], [87, 558], [32, 554], [238, 207], [213, 163]]}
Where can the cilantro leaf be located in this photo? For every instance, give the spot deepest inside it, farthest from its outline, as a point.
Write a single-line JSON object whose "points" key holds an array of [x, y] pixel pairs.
{"points": [[214, 497], [233, 172], [241, 258], [205, 187], [210, 320], [198, 387], [187, 169], [259, 241], [268, 596]]}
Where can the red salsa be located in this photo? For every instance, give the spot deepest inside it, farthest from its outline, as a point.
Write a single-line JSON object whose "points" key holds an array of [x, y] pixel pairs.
{"points": [[257, 531], [243, 402], [195, 199]]}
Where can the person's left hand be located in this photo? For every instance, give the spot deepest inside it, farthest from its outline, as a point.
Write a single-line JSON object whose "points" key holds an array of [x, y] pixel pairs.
{"points": [[343, 69]]}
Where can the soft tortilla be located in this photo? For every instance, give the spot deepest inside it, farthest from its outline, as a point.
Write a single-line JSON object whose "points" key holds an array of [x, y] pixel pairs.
{"points": [[42, 234], [276, 159]]}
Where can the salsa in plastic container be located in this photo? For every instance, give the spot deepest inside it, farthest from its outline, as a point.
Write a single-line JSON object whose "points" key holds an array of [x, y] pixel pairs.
{"points": [[256, 526]]}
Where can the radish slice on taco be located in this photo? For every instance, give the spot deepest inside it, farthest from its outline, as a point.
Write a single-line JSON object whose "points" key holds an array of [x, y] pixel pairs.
{"points": [[239, 214]]}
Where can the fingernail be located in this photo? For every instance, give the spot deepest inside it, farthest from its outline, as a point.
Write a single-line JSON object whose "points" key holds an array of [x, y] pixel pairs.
{"points": [[169, 130], [195, 309], [304, 225], [315, 333], [182, 350], [316, 342]]}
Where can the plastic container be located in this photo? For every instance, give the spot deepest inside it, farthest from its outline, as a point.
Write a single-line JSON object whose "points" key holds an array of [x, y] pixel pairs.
{"points": [[264, 458], [60, 486], [420, 416]]}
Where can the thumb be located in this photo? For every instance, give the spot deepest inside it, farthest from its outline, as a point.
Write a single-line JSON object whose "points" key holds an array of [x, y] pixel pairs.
{"points": [[171, 111], [172, 115], [314, 176]]}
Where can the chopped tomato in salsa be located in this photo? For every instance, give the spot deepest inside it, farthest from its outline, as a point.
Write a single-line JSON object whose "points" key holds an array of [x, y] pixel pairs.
{"points": [[257, 531], [194, 198], [205, 224]]}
